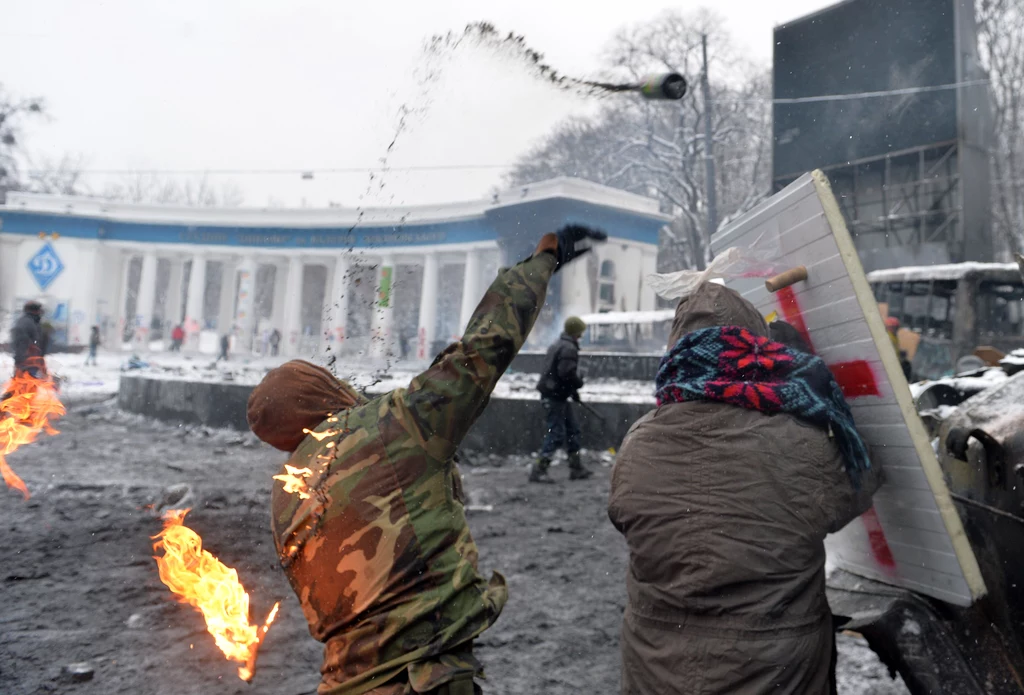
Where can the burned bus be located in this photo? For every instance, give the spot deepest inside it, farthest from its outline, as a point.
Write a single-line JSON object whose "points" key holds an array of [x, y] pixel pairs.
{"points": [[955, 309]]}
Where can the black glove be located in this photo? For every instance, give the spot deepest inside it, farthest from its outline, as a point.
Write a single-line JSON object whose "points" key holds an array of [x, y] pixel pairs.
{"points": [[576, 396], [569, 238]]}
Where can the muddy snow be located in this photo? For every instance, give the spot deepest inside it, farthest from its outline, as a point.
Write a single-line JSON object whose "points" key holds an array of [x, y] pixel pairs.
{"points": [[84, 611]]}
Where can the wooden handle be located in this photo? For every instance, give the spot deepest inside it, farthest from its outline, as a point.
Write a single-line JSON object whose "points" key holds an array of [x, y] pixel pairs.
{"points": [[786, 278]]}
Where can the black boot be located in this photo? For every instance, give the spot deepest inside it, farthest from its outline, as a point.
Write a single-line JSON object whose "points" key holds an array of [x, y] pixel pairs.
{"points": [[539, 471], [576, 469]]}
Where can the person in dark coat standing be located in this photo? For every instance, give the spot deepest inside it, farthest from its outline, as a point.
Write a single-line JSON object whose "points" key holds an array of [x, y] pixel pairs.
{"points": [[27, 341], [725, 493], [94, 344], [275, 342], [559, 382], [225, 344]]}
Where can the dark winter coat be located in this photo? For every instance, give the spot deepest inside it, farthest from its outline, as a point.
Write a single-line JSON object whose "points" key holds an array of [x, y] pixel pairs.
{"points": [[560, 378], [25, 339], [725, 512], [45, 337]]}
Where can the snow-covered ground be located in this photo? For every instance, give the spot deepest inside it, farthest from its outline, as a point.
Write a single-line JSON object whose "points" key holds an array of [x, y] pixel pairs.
{"points": [[376, 376], [990, 377]]}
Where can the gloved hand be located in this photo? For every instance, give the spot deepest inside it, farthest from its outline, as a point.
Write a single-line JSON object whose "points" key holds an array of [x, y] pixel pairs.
{"points": [[576, 396], [570, 238], [565, 245]]}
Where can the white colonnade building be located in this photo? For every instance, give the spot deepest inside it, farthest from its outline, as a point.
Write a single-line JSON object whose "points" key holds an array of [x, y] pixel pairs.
{"points": [[385, 282]]}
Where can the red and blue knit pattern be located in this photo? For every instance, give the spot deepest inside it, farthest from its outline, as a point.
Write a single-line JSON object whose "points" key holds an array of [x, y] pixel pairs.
{"points": [[729, 364]]}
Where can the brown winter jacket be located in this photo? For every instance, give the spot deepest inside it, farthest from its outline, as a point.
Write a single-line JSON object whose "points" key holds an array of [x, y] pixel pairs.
{"points": [[725, 511]]}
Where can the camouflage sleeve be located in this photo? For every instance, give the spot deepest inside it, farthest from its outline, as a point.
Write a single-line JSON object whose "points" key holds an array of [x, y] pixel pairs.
{"points": [[445, 400]]}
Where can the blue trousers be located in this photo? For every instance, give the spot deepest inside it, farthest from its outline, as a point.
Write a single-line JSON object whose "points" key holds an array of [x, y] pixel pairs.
{"points": [[562, 428]]}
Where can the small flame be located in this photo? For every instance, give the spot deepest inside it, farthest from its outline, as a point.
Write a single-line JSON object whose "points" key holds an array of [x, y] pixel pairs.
{"points": [[293, 480], [201, 580], [319, 436], [28, 405]]}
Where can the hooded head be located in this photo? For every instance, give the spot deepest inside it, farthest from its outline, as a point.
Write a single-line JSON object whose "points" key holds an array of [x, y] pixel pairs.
{"points": [[710, 305], [293, 397], [34, 309]]}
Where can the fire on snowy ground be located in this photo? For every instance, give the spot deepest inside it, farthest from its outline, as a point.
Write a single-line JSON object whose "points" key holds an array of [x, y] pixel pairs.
{"points": [[84, 602]]}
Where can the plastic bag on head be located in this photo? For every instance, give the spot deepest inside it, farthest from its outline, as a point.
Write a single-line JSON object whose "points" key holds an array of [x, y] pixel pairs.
{"points": [[754, 261]]}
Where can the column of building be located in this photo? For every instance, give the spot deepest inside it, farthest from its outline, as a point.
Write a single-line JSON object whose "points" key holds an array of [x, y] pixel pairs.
{"points": [[471, 292], [245, 319], [383, 321], [226, 311], [195, 302], [144, 301], [426, 331], [122, 320], [172, 302], [335, 320], [292, 305]]}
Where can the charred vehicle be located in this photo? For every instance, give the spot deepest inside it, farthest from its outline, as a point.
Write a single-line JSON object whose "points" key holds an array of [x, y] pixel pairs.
{"points": [[954, 309], [977, 421]]}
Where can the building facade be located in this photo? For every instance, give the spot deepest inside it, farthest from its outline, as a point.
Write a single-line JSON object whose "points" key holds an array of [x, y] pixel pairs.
{"points": [[389, 281]]}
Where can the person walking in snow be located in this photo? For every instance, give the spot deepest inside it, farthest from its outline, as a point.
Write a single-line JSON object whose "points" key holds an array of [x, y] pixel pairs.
{"points": [[559, 382], [225, 345], [27, 341], [94, 344]]}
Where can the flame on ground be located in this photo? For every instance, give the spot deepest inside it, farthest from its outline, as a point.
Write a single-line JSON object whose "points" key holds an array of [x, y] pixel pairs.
{"points": [[27, 406], [294, 480], [201, 580]]}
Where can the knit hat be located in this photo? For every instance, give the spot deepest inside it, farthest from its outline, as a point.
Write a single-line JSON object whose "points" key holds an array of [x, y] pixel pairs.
{"points": [[574, 326]]}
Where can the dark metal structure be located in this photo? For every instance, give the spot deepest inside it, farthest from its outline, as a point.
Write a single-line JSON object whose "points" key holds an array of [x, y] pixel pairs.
{"points": [[888, 98]]}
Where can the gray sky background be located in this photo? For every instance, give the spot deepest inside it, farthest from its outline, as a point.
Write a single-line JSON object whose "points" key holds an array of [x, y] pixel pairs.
{"points": [[304, 84]]}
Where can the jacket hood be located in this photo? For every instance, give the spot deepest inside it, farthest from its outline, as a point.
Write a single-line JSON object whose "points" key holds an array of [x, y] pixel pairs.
{"points": [[710, 305], [293, 397]]}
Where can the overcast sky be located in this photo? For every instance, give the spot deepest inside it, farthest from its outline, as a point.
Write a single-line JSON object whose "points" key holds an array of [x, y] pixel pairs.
{"points": [[304, 84]]}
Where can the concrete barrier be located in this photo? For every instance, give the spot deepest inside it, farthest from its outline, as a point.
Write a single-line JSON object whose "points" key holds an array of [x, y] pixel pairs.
{"points": [[597, 365], [507, 425]]}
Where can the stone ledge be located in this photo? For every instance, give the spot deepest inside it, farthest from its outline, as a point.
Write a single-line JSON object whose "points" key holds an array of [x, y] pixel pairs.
{"points": [[596, 365], [507, 425]]}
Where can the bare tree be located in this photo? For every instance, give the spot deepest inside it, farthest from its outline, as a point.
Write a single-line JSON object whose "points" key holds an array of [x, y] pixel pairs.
{"points": [[1001, 45], [63, 177], [657, 148], [14, 112], [147, 187]]}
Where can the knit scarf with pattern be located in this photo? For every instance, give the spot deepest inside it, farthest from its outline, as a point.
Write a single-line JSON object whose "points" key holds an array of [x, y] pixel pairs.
{"points": [[729, 364]]}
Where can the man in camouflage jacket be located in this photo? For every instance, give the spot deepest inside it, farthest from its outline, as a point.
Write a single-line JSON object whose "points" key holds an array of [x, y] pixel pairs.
{"points": [[369, 522]]}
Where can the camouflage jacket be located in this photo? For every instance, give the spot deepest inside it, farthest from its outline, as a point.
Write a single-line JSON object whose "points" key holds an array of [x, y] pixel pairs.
{"points": [[379, 552]]}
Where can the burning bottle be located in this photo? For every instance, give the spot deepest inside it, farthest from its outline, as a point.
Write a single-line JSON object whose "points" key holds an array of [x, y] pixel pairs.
{"points": [[198, 578]]}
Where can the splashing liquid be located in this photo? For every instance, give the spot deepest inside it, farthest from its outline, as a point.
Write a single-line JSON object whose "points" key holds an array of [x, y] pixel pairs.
{"points": [[514, 46]]}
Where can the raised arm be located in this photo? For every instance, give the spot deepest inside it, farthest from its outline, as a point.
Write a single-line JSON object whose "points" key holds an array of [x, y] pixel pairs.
{"points": [[445, 400]]}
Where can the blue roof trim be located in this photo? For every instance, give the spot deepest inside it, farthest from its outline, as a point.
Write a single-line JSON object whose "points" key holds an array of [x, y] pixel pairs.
{"points": [[455, 232], [535, 218]]}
